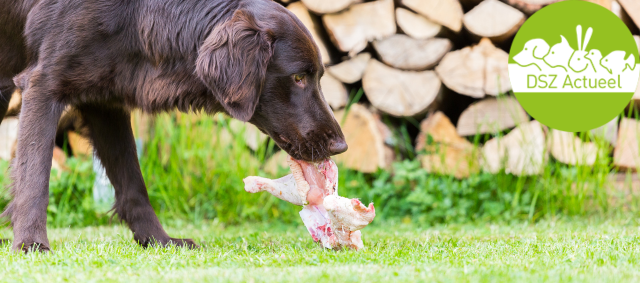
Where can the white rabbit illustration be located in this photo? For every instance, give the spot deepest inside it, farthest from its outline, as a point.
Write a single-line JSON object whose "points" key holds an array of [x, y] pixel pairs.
{"points": [[578, 62], [595, 56], [532, 53], [615, 62], [559, 55]]}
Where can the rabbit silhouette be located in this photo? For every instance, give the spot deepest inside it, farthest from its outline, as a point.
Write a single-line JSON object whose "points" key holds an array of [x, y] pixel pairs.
{"points": [[595, 57], [560, 54], [578, 62], [532, 53], [615, 62]]}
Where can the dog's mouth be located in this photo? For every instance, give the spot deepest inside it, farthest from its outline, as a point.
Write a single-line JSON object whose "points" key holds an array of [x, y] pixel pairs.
{"points": [[310, 150]]}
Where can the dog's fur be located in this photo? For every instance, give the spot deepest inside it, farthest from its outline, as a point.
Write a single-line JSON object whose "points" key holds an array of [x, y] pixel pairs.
{"points": [[105, 57]]}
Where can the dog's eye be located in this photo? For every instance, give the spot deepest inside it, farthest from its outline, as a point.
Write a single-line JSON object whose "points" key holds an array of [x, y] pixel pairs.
{"points": [[299, 78]]}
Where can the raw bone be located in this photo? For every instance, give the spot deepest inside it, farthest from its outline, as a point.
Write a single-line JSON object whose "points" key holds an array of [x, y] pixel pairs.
{"points": [[330, 219]]}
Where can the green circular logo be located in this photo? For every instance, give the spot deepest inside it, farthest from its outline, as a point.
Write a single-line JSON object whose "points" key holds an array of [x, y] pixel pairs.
{"points": [[574, 66]]}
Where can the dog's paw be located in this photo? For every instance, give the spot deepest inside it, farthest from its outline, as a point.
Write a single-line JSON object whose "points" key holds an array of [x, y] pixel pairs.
{"points": [[189, 243], [33, 247]]}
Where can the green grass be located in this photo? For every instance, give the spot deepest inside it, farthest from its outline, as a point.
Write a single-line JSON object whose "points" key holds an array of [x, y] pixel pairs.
{"points": [[194, 166], [551, 251]]}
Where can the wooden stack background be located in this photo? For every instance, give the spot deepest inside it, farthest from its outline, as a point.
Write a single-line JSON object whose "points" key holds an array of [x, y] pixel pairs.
{"points": [[430, 76], [444, 62]]}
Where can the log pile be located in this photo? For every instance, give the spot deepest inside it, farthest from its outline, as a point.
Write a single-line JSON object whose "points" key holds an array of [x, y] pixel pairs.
{"points": [[430, 78], [444, 62]]}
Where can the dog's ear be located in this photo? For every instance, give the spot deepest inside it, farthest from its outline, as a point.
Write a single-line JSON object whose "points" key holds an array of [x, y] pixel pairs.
{"points": [[233, 61]]}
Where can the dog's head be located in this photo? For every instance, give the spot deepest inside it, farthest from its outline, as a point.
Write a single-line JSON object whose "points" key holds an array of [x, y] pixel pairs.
{"points": [[264, 67]]}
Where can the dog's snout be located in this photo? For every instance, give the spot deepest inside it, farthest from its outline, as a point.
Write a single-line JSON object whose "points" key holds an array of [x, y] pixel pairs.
{"points": [[338, 146]]}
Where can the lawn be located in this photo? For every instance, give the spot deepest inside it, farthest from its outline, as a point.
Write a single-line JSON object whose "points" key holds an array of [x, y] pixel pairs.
{"points": [[564, 251]]}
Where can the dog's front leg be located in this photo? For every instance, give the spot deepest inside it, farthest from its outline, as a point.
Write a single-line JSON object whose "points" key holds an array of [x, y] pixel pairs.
{"points": [[31, 167], [114, 143]]}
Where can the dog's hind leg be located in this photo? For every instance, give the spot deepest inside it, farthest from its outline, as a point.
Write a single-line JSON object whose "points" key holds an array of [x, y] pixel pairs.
{"points": [[112, 136], [31, 167]]}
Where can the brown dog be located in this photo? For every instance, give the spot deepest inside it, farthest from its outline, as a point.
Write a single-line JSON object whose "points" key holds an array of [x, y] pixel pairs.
{"points": [[252, 59]]}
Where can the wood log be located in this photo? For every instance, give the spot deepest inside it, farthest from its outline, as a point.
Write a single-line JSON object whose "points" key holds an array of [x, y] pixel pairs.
{"points": [[476, 70], [632, 8], [335, 93], [603, 3], [314, 27], [446, 152], [608, 131], [415, 25], [350, 71], [445, 12], [491, 116], [327, 6], [403, 52], [15, 103], [617, 9], [625, 154], [400, 93], [365, 134], [80, 145], [494, 20], [522, 152], [526, 150], [530, 6], [8, 137], [565, 147], [353, 28]]}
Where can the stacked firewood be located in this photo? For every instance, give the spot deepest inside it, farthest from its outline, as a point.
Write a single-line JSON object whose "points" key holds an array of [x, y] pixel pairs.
{"points": [[444, 62]]}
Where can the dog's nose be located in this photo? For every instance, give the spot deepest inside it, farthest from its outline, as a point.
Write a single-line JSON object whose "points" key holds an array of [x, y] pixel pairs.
{"points": [[338, 146]]}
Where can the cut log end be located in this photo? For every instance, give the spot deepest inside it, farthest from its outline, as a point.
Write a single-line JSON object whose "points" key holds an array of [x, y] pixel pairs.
{"points": [[569, 149], [476, 70], [403, 52], [350, 71], [491, 116], [327, 6], [400, 93], [626, 154], [416, 26], [494, 20], [522, 152], [353, 28], [365, 134], [445, 152], [445, 12]]}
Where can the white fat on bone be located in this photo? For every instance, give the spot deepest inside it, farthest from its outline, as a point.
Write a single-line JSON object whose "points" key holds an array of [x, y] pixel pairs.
{"points": [[332, 220]]}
